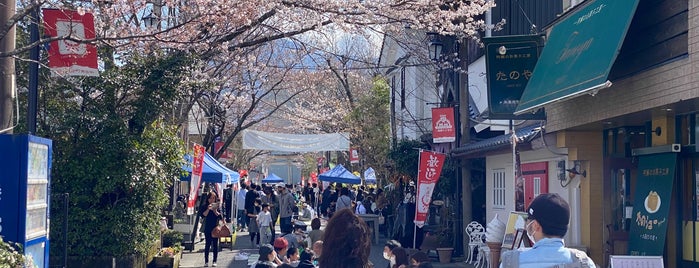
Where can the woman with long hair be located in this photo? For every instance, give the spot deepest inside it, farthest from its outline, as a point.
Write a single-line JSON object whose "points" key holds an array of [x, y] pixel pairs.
{"points": [[346, 243], [210, 210]]}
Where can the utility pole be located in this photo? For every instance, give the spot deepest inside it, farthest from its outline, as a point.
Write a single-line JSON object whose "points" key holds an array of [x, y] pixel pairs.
{"points": [[7, 67], [464, 183]]}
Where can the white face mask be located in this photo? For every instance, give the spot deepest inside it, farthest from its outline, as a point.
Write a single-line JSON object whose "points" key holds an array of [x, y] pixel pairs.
{"points": [[385, 255], [530, 234]]}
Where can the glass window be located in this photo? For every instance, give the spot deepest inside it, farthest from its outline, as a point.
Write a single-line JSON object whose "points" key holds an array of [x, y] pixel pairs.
{"points": [[499, 188]]}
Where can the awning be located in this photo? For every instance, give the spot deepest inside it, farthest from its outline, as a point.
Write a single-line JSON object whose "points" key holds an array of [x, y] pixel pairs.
{"points": [[524, 135], [272, 178], [579, 53]]}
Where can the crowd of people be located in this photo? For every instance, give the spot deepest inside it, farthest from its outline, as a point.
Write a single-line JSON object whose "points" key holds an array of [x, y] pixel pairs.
{"points": [[259, 207]]}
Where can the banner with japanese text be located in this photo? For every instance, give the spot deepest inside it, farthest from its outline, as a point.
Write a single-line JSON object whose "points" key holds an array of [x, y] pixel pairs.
{"points": [[649, 220], [195, 182], [68, 57], [430, 167], [443, 125], [354, 155]]}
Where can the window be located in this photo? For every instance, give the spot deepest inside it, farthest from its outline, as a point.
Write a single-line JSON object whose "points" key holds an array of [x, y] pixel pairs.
{"points": [[498, 188], [537, 186]]}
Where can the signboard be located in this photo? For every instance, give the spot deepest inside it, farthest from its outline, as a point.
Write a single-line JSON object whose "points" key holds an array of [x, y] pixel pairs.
{"points": [[195, 182], [67, 57], [516, 221], [510, 62], [427, 176], [354, 155], [443, 125], [619, 261], [649, 220]]}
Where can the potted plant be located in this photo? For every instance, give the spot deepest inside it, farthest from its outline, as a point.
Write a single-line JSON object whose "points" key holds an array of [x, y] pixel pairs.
{"points": [[168, 257]]}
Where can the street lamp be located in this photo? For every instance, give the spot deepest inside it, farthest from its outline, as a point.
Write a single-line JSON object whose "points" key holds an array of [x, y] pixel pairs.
{"points": [[435, 48], [435, 53]]}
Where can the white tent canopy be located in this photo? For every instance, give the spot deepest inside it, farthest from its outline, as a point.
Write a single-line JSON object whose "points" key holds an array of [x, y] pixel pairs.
{"points": [[281, 142]]}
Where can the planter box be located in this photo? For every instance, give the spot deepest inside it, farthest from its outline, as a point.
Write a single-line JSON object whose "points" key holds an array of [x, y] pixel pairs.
{"points": [[445, 254], [166, 262]]}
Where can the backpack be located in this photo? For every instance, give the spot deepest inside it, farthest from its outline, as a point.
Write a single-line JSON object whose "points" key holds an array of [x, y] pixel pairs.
{"points": [[511, 260]]}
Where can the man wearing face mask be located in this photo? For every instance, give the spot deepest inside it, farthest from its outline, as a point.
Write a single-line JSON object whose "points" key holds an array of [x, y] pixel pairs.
{"points": [[388, 251], [547, 224]]}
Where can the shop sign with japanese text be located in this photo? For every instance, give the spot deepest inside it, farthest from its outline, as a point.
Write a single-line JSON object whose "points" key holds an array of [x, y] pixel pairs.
{"points": [[649, 219], [510, 61]]}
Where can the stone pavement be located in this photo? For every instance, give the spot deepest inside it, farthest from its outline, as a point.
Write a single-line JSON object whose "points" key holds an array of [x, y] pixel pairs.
{"points": [[241, 244]]}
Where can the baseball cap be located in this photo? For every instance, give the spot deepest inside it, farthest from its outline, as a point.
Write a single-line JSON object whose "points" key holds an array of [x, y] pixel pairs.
{"points": [[280, 184], [552, 212], [280, 243]]}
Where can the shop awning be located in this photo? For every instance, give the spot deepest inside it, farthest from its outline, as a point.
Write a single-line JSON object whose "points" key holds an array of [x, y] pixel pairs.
{"points": [[579, 53], [524, 135]]}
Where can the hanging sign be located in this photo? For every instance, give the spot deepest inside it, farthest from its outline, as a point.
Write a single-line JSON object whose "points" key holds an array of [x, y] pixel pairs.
{"points": [[68, 57], [443, 125], [354, 155], [427, 176], [510, 62], [649, 220], [197, 169]]}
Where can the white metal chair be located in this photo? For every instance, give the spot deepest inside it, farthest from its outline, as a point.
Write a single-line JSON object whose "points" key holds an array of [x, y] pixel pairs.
{"points": [[476, 236]]}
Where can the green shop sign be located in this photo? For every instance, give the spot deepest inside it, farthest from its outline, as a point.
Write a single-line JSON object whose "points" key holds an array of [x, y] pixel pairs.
{"points": [[510, 62], [649, 221]]}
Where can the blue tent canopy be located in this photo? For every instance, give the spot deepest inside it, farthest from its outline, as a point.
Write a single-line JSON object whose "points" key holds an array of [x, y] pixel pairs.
{"points": [[272, 178], [234, 176], [213, 171], [341, 175], [370, 176]]}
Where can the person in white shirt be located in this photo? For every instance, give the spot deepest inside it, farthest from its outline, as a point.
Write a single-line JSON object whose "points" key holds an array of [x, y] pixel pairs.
{"points": [[360, 208], [264, 221], [240, 201]]}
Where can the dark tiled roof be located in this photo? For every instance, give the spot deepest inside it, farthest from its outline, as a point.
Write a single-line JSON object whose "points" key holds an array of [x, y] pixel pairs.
{"points": [[524, 135]]}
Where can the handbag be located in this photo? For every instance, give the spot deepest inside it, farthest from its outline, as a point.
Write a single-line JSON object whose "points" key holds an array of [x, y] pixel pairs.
{"points": [[381, 219], [221, 231]]}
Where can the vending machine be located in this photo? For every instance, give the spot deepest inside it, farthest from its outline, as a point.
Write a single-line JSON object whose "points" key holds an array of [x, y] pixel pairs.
{"points": [[25, 165]]}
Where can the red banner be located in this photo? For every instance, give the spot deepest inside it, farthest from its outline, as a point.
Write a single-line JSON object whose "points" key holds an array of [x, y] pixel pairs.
{"points": [[195, 182], [67, 57], [354, 156], [428, 174], [443, 126]]}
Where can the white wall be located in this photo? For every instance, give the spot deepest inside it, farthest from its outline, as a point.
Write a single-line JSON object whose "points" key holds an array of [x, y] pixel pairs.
{"points": [[571, 192]]}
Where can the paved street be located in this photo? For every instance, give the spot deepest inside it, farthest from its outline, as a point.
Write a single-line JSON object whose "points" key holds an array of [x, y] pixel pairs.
{"points": [[226, 258]]}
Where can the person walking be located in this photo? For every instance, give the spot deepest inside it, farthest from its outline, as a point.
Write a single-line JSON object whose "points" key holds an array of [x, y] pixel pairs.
{"points": [[250, 198], [344, 201], [210, 210], [547, 223], [240, 205], [264, 221], [270, 198], [253, 227], [286, 206]]}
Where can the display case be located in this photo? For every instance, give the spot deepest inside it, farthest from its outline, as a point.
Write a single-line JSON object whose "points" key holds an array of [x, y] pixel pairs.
{"points": [[25, 194]]}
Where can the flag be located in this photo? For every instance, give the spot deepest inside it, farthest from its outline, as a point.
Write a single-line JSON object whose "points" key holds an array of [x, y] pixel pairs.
{"points": [[443, 125], [197, 169], [430, 166], [68, 57]]}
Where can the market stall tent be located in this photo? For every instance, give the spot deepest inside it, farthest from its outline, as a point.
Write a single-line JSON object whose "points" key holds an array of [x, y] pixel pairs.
{"points": [[272, 178], [213, 171], [341, 175]]}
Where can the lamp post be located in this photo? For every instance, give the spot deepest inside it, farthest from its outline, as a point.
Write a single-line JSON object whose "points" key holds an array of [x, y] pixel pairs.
{"points": [[435, 52]]}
